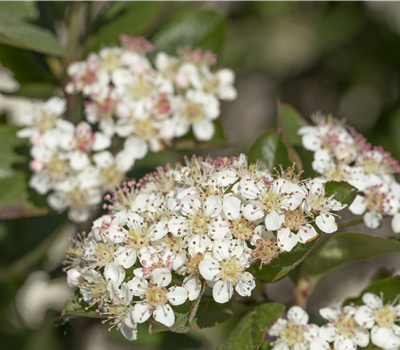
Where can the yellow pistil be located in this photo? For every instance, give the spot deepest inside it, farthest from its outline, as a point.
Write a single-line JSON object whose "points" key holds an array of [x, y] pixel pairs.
{"points": [[385, 316], [110, 176], [58, 168], [141, 89], [194, 112], [47, 122], [265, 250], [231, 270], [243, 228], [295, 219], [156, 295], [145, 129], [292, 334], [199, 222]]}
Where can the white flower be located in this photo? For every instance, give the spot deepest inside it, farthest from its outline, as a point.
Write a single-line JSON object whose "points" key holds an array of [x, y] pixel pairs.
{"points": [[227, 269], [156, 297], [381, 319], [342, 328], [295, 332]]}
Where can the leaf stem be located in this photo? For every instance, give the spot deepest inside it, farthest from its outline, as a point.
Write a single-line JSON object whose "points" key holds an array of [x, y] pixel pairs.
{"points": [[350, 223]]}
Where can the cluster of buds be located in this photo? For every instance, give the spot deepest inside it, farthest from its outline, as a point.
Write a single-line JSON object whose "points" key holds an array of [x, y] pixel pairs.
{"points": [[149, 105], [348, 327], [342, 154], [127, 97], [199, 224]]}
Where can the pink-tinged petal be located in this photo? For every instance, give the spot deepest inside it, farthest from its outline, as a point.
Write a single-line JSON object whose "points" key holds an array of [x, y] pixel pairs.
{"points": [[74, 278], [365, 317], [141, 312], [274, 220], [286, 239], [232, 207], [253, 212], [326, 223], [297, 315], [328, 332], [209, 269], [245, 285], [212, 206], [372, 300], [204, 130], [164, 315], [190, 205], [177, 295], [358, 206], [161, 277], [372, 219], [222, 291], [114, 272], [138, 286]]}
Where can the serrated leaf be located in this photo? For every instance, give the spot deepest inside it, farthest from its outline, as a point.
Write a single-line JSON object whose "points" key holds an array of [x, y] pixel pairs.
{"points": [[250, 331], [291, 121], [203, 29], [76, 307], [342, 191], [211, 313], [270, 149], [15, 32], [390, 287], [135, 18], [286, 262], [345, 248]]}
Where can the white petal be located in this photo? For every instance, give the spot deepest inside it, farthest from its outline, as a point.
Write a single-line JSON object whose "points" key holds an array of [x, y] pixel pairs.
{"points": [[204, 130], [162, 276], [372, 300], [245, 285], [141, 312], [329, 313], [319, 344], [253, 212], [326, 223], [297, 315], [101, 141], [232, 207], [362, 338], [306, 233], [190, 205], [164, 315], [396, 223], [372, 219], [177, 295], [222, 291], [365, 317], [136, 146], [114, 272], [138, 286], [328, 332], [359, 205], [193, 286], [286, 239], [274, 220], [159, 230], [79, 161], [212, 206], [209, 269]]}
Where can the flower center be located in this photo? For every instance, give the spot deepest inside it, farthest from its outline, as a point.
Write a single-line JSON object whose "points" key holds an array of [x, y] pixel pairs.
{"points": [[58, 168], [374, 199], [271, 200], [194, 112], [104, 253], [145, 129], [141, 89], [192, 264], [199, 222], [265, 251], [162, 106], [138, 237], [371, 166], [111, 176], [231, 270], [210, 86], [385, 316], [346, 325], [156, 295], [336, 173], [110, 62], [295, 219], [77, 197], [243, 228], [293, 334], [317, 202], [46, 122]]}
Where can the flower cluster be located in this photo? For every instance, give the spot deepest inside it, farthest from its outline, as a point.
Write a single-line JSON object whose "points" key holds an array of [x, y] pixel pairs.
{"points": [[150, 105], [342, 154], [348, 327], [178, 230], [127, 98]]}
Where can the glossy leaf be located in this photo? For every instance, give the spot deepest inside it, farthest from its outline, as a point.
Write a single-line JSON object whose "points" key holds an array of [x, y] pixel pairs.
{"points": [[211, 313], [15, 32], [136, 17], [342, 191], [76, 307], [286, 262], [345, 248], [250, 331], [270, 149], [23, 9], [290, 121], [390, 287], [203, 29]]}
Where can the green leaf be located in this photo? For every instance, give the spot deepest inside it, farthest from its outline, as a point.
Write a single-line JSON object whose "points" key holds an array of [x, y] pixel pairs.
{"points": [[270, 149], [345, 248], [286, 262], [211, 313], [390, 287], [250, 331], [135, 19], [23, 9], [290, 121], [8, 144], [77, 307], [40, 90], [342, 191], [15, 32], [203, 29]]}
